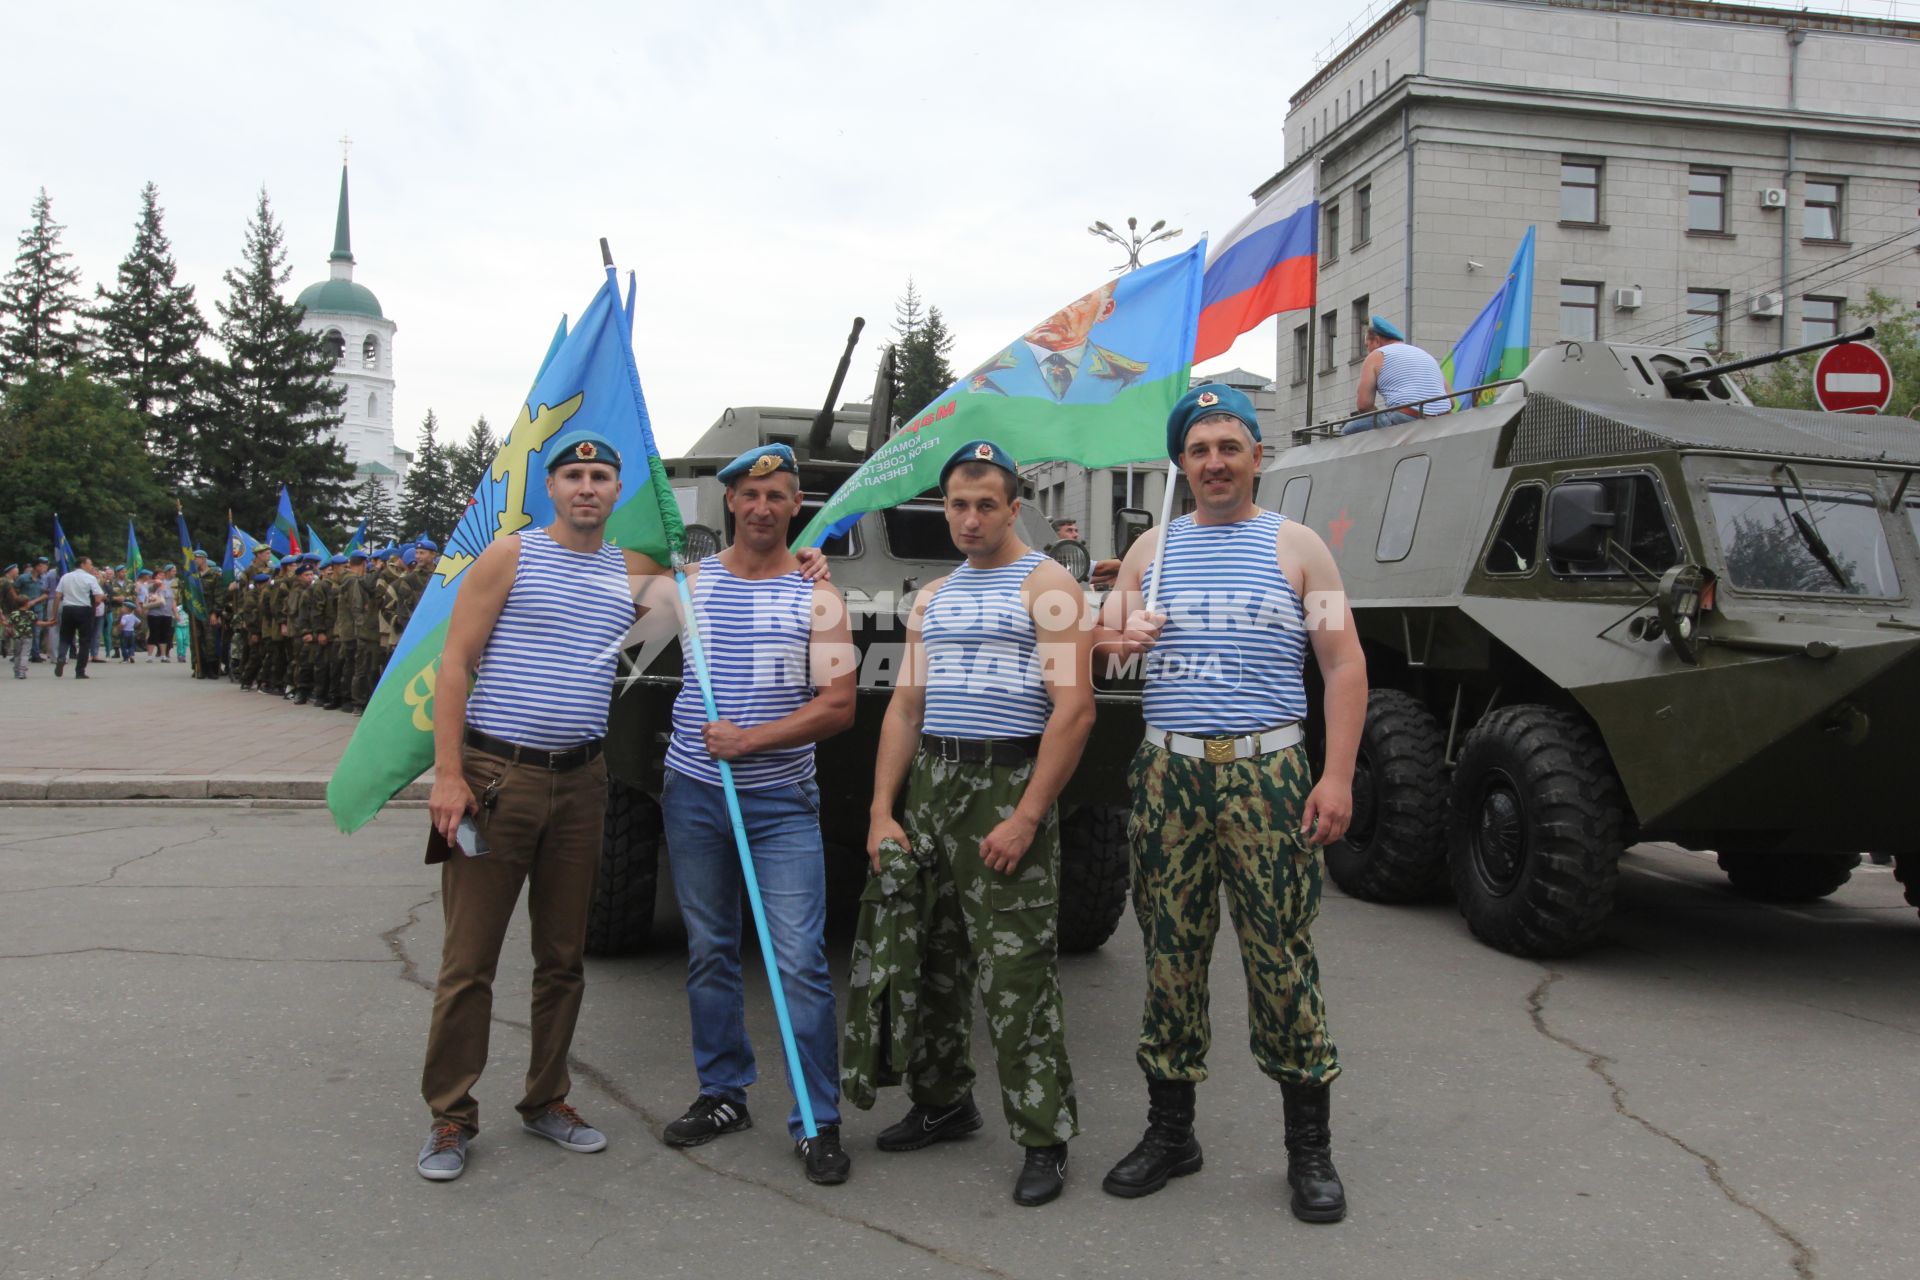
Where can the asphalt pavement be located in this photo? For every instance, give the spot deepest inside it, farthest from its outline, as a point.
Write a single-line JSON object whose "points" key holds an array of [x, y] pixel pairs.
{"points": [[214, 1016]]}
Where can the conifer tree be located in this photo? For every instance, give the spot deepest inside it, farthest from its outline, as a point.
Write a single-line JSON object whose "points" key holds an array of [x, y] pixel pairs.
{"points": [[921, 364], [374, 504], [273, 406], [471, 460], [147, 332], [427, 500], [39, 300]]}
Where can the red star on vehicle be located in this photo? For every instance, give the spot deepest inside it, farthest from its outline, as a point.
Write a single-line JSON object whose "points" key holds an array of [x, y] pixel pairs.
{"points": [[1337, 530]]}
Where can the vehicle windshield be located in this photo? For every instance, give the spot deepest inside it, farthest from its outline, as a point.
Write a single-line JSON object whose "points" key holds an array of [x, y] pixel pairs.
{"points": [[847, 544], [1837, 547], [917, 530]]}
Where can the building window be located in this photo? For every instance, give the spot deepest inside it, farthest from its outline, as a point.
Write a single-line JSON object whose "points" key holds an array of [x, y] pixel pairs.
{"points": [[1579, 310], [1707, 201], [370, 352], [1330, 242], [1300, 369], [1706, 319], [1329, 335], [373, 406], [1579, 190], [1362, 214], [1360, 314], [1822, 220], [1820, 318]]}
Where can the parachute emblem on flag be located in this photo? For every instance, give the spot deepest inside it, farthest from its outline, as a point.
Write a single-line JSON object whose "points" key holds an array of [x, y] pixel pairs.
{"points": [[236, 546]]}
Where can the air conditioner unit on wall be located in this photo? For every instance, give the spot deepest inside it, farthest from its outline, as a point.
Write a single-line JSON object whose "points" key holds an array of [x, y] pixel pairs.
{"points": [[1773, 197], [1628, 299], [1766, 306]]}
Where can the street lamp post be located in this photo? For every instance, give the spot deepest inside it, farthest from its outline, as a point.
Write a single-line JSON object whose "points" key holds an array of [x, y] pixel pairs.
{"points": [[1133, 241]]}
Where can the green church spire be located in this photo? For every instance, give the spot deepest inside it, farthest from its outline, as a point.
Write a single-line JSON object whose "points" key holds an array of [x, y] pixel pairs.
{"points": [[342, 241]]}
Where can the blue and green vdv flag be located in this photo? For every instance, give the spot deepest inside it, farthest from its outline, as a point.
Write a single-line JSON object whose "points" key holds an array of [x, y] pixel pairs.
{"points": [[316, 546], [284, 534], [194, 595], [239, 553], [1499, 342], [62, 549], [135, 562], [1092, 383], [588, 379]]}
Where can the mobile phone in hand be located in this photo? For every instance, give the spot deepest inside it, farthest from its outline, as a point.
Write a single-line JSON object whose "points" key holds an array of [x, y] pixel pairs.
{"points": [[467, 837]]}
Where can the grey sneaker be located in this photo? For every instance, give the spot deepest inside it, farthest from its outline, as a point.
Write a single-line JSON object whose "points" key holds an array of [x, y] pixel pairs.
{"points": [[444, 1155], [562, 1124]]}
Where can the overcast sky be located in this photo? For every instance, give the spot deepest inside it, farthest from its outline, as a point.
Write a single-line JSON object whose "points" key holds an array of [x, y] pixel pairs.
{"points": [[769, 171]]}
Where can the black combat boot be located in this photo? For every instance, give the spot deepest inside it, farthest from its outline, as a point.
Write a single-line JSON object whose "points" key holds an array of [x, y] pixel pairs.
{"points": [[1168, 1149], [1042, 1176], [300, 698], [1317, 1193]]}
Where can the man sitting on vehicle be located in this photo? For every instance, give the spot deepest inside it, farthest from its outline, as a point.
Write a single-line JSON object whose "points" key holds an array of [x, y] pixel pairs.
{"points": [[1395, 378]]}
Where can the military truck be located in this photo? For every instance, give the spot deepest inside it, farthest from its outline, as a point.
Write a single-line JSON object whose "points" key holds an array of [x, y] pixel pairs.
{"points": [[876, 565], [1614, 601]]}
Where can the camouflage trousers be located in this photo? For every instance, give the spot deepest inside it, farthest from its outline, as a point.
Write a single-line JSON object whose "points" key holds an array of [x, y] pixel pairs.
{"points": [[999, 932], [1195, 826]]}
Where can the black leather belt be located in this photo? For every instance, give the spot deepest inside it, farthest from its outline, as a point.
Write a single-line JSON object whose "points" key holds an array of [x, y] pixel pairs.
{"points": [[981, 750], [514, 753]]}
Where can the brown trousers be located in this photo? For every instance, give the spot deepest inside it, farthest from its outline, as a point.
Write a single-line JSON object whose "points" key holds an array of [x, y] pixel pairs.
{"points": [[544, 829]]}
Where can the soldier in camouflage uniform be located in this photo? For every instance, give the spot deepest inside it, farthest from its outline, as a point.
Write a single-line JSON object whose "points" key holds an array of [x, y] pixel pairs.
{"points": [[364, 613], [235, 599], [280, 626], [341, 638], [383, 576], [299, 617], [1222, 794], [985, 726], [320, 625]]}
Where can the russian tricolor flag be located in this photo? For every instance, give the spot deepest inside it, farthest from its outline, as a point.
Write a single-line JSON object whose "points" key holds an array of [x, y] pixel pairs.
{"points": [[1263, 267]]}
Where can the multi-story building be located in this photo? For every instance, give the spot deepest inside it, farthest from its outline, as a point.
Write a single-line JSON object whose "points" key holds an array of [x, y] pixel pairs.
{"points": [[361, 339], [1720, 175]]}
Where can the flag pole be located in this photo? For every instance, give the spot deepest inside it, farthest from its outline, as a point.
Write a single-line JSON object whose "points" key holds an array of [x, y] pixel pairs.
{"points": [[775, 979], [1166, 514]]}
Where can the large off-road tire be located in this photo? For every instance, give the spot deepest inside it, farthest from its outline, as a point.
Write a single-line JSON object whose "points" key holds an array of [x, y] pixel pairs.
{"points": [[1906, 869], [1396, 848], [621, 917], [1786, 877], [1537, 822], [1093, 876]]}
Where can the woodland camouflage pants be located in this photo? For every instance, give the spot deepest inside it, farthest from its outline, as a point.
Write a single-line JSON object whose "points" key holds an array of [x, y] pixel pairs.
{"points": [[1194, 827], [1001, 931]]}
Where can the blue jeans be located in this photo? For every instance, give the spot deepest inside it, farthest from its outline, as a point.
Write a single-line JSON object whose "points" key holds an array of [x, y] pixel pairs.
{"points": [[1385, 418], [783, 831]]}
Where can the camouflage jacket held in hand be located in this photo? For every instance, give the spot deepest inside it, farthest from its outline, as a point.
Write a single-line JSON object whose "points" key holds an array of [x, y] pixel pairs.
{"points": [[883, 991]]}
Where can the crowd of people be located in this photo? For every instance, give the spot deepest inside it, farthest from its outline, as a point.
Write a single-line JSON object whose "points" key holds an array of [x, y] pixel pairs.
{"points": [[306, 627]]}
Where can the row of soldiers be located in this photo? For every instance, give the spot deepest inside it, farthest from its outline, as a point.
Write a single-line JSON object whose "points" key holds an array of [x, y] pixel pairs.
{"points": [[320, 630]]}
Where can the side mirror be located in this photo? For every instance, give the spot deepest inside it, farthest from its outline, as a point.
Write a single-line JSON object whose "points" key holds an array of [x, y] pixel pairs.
{"points": [[1128, 524], [1579, 518]]}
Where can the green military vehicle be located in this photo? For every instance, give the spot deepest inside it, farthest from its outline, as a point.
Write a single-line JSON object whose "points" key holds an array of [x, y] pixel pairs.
{"points": [[876, 566], [1619, 603]]}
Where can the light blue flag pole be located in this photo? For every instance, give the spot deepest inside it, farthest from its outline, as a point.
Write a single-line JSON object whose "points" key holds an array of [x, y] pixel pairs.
{"points": [[775, 979]]}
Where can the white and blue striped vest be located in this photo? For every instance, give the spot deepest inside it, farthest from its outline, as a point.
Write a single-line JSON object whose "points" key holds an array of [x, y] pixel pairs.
{"points": [[983, 664]]}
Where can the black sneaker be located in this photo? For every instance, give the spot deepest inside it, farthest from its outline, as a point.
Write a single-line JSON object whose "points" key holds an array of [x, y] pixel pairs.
{"points": [[827, 1164], [924, 1126], [707, 1119]]}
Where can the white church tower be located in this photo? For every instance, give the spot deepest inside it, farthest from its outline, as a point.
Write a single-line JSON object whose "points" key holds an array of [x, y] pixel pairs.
{"points": [[361, 339]]}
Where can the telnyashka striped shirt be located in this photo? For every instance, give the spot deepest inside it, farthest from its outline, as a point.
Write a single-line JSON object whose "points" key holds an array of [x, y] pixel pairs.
{"points": [[1230, 655], [547, 673], [755, 633], [983, 662]]}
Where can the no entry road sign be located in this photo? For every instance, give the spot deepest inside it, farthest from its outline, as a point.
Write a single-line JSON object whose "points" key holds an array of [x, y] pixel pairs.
{"points": [[1852, 378]]}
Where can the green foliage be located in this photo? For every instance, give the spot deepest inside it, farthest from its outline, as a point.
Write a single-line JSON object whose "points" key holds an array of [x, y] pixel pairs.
{"points": [[427, 498], [470, 462], [273, 407], [70, 444], [920, 367], [39, 301], [147, 340], [1789, 384], [372, 503]]}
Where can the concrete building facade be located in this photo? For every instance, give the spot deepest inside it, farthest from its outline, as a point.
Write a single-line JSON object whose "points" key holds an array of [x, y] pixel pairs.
{"points": [[1719, 175], [361, 338]]}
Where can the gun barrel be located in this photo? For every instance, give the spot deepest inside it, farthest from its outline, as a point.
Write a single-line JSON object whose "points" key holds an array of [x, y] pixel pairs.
{"points": [[1714, 371], [823, 421]]}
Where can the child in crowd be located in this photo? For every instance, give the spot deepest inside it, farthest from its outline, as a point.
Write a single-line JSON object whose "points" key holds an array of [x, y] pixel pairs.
{"points": [[126, 624]]}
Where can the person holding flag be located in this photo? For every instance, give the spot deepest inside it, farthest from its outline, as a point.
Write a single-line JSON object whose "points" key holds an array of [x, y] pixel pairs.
{"points": [[985, 726], [1222, 792]]}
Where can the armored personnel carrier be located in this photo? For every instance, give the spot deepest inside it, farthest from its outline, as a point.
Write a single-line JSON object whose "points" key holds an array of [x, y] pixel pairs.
{"points": [[1614, 602], [876, 565]]}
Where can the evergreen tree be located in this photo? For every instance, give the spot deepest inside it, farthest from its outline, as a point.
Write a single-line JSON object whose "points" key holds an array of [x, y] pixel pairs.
{"points": [[1788, 384], [920, 365], [471, 460], [427, 499], [272, 407], [69, 444], [374, 504], [147, 332], [39, 300]]}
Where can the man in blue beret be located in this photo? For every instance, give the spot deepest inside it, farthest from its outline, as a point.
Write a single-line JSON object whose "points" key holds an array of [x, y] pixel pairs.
{"points": [[520, 789], [1222, 793], [986, 724], [780, 656], [1394, 377]]}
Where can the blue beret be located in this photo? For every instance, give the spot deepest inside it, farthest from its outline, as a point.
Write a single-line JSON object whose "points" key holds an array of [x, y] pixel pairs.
{"points": [[428, 544], [980, 451], [41, 560], [582, 446], [119, 568], [10, 568], [358, 553], [378, 553], [169, 568], [263, 577], [1202, 401], [1385, 328], [144, 573], [202, 554], [338, 557], [764, 461]]}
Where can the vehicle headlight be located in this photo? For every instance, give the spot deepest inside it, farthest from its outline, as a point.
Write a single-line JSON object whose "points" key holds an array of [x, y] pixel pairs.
{"points": [[1072, 555], [701, 542]]}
